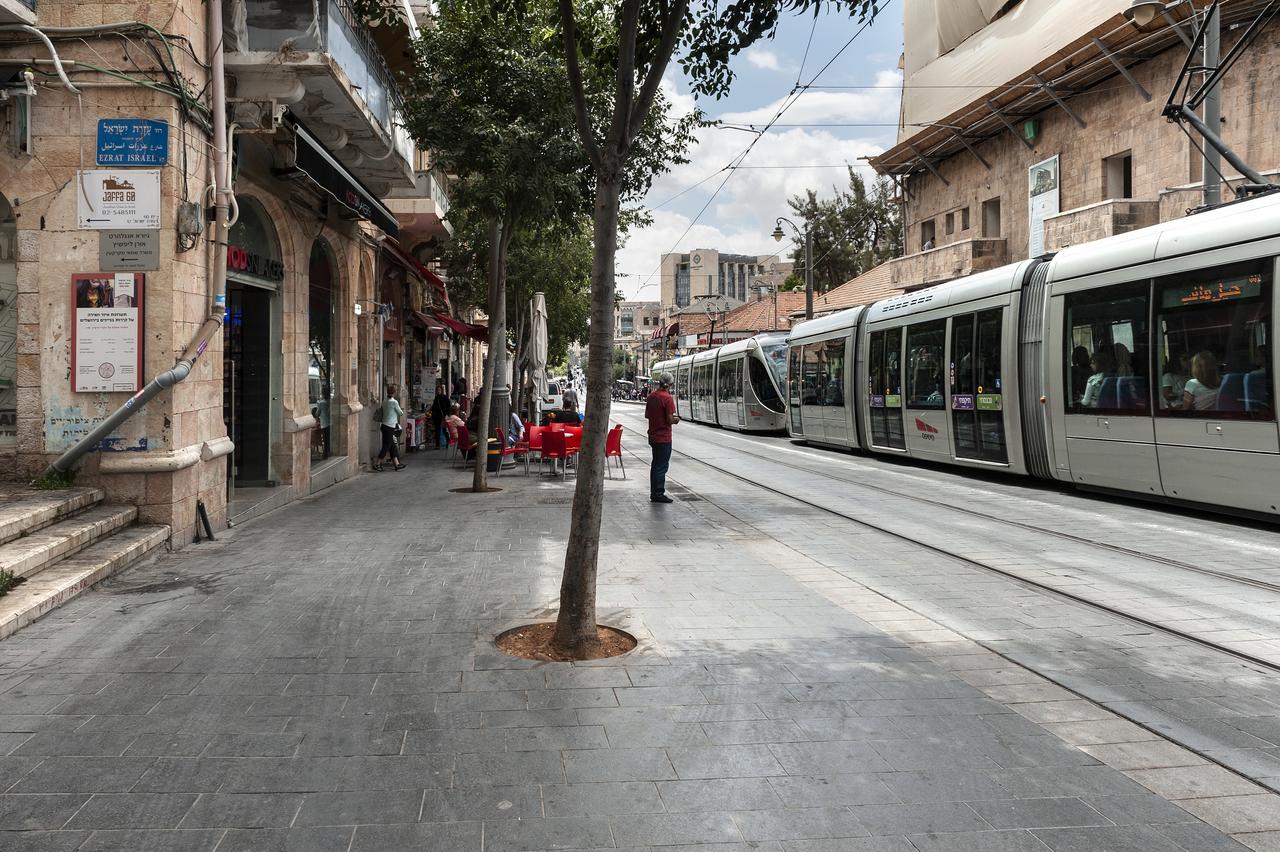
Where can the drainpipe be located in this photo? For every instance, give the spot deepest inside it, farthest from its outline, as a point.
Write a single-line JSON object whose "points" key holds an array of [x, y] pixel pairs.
{"points": [[217, 273]]}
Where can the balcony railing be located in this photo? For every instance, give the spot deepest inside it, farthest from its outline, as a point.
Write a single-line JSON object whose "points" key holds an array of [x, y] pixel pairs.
{"points": [[330, 27]]}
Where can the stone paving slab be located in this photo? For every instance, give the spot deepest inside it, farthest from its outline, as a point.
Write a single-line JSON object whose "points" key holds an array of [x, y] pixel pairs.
{"points": [[1218, 706], [325, 679]]}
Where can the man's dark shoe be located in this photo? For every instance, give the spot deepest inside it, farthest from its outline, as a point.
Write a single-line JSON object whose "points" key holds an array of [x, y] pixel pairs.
{"points": [[661, 498]]}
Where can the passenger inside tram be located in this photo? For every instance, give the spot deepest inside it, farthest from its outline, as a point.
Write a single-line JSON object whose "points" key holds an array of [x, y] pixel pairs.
{"points": [[1124, 360], [1080, 371], [1103, 365], [1201, 391], [1174, 380]]}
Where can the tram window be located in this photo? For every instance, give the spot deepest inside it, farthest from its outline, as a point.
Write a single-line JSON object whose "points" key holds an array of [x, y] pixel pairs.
{"points": [[988, 367], [811, 378], [793, 390], [762, 384], [726, 382], [833, 392], [1107, 350], [925, 348], [1214, 349], [962, 355], [893, 366]]}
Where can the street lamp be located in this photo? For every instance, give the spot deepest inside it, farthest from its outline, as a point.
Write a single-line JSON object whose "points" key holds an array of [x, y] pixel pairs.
{"points": [[1143, 12], [711, 316], [808, 259]]}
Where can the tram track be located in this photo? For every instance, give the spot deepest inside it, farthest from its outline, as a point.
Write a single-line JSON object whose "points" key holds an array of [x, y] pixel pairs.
{"points": [[1065, 536], [1261, 663]]}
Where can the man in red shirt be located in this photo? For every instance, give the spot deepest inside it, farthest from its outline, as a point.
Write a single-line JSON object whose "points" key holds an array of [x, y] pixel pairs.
{"points": [[660, 410]]}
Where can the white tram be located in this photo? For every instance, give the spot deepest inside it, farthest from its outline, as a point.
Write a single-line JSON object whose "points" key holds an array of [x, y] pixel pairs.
{"points": [[1141, 363], [737, 386]]}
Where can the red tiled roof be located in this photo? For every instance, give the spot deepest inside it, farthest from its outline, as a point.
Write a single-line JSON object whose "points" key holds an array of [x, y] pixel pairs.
{"points": [[871, 286], [761, 315]]}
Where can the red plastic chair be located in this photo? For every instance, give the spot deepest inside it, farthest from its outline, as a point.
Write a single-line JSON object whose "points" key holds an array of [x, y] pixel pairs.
{"points": [[465, 444], [613, 449], [554, 449], [503, 449], [556, 427], [532, 444]]}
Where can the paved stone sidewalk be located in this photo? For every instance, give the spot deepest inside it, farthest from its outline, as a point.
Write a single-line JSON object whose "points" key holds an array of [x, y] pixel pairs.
{"points": [[325, 679]]}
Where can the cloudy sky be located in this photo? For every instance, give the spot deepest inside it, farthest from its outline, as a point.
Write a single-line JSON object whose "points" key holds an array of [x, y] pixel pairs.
{"points": [[803, 151]]}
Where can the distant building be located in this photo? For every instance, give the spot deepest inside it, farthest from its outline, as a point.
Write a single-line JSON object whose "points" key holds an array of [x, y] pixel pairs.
{"points": [[710, 272], [633, 320]]}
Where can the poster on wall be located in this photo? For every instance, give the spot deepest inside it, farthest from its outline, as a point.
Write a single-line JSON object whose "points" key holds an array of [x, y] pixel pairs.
{"points": [[118, 199], [106, 336], [1042, 180]]}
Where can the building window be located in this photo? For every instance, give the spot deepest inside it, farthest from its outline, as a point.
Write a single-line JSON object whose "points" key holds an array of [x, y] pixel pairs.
{"points": [[926, 235], [682, 285], [951, 224], [964, 219], [991, 219], [1117, 176]]}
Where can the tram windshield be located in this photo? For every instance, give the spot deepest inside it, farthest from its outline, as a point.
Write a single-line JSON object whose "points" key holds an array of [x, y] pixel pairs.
{"points": [[775, 354]]}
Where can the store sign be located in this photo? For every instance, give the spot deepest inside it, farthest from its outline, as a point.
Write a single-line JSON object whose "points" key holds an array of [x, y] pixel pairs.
{"points": [[251, 263], [132, 142], [106, 335], [110, 199], [129, 251], [1043, 183]]}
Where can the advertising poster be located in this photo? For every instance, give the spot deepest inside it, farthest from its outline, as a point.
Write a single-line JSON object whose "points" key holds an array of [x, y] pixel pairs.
{"points": [[106, 335], [1042, 179]]}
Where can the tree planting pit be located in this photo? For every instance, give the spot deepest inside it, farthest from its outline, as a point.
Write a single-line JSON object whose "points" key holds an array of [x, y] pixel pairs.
{"points": [[533, 642]]}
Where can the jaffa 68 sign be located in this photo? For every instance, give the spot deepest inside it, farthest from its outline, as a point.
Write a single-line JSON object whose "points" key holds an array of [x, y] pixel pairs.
{"points": [[108, 199]]}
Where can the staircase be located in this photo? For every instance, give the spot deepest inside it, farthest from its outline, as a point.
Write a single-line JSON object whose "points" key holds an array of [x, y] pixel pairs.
{"points": [[63, 542]]}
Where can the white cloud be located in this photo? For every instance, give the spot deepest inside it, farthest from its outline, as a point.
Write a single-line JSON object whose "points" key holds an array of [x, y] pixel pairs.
{"points": [[763, 58], [742, 215]]}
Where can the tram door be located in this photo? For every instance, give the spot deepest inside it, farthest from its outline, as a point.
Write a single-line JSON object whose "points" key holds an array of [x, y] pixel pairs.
{"points": [[977, 394], [884, 366], [793, 391]]}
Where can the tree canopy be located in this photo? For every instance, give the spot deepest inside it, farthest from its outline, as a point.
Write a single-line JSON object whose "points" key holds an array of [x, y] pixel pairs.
{"points": [[854, 230]]}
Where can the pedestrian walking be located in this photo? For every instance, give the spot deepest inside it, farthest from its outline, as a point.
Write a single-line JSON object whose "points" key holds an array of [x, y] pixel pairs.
{"points": [[660, 411], [392, 416], [440, 408]]}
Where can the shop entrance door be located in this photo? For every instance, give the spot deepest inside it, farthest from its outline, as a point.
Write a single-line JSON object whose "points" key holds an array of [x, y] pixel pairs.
{"points": [[246, 388]]}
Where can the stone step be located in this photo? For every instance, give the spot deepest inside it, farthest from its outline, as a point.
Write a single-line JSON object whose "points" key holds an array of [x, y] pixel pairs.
{"points": [[59, 583], [24, 510], [31, 553]]}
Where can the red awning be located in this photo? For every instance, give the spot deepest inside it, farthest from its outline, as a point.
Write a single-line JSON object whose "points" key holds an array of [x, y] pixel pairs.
{"points": [[666, 331], [433, 326], [466, 329], [415, 266]]}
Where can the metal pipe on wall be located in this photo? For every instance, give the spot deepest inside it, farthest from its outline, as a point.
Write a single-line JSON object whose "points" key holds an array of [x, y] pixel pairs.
{"points": [[218, 270]]}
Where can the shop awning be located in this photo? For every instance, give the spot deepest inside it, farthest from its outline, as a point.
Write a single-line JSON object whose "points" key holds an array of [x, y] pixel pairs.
{"points": [[433, 326], [400, 253], [666, 331], [313, 161], [466, 329]]}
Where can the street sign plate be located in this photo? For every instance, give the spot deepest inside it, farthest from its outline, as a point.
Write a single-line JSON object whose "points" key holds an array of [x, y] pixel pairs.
{"points": [[129, 251], [113, 199], [132, 142]]}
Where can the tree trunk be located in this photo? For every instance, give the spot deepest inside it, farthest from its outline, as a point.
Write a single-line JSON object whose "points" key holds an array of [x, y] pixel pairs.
{"points": [[576, 623], [501, 403], [497, 346]]}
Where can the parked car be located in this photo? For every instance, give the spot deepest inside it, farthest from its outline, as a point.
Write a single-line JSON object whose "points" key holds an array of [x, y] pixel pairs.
{"points": [[555, 396]]}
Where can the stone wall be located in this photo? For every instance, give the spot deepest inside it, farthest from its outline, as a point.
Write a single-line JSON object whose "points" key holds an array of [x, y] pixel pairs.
{"points": [[1119, 120], [1097, 221], [947, 262]]}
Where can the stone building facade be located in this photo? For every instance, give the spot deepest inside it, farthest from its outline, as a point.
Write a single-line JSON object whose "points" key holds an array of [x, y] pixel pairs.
{"points": [[966, 176], [281, 402]]}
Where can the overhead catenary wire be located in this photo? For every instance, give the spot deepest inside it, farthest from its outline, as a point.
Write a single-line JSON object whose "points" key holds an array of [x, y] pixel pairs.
{"points": [[788, 102]]}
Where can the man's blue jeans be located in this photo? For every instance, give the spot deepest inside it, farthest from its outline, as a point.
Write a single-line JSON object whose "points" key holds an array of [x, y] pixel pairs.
{"points": [[658, 470]]}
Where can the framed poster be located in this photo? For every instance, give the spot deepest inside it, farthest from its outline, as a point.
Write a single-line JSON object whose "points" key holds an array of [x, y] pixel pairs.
{"points": [[106, 331], [1043, 183]]}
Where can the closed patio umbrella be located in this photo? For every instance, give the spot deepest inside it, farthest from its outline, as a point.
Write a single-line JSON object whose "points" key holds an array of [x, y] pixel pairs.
{"points": [[538, 348]]}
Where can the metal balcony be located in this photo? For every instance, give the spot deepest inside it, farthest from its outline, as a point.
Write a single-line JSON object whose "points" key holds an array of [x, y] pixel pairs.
{"points": [[321, 61]]}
